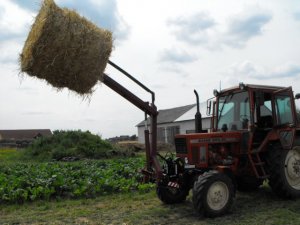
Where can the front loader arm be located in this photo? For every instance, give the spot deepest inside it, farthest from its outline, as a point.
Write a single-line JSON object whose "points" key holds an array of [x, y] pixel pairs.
{"points": [[115, 86], [149, 109]]}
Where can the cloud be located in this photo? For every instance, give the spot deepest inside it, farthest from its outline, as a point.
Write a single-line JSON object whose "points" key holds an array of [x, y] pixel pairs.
{"points": [[27, 90], [177, 56], [14, 21], [248, 69], [245, 69], [159, 86], [170, 61], [102, 12], [14, 24], [24, 88], [2, 11], [173, 68], [203, 30], [192, 29], [29, 5], [36, 113], [245, 26], [90, 120], [286, 70], [296, 16], [10, 51]]}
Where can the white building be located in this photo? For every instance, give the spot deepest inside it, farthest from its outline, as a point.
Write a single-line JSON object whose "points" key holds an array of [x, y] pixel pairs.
{"points": [[179, 120]]}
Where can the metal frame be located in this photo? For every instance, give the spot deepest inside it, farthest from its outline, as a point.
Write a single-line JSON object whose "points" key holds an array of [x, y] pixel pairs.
{"points": [[149, 109]]}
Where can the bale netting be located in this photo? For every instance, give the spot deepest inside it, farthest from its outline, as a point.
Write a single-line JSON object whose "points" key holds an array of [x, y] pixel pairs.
{"points": [[66, 49]]}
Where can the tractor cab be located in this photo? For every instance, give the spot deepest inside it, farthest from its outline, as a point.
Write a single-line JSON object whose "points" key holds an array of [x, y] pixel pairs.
{"points": [[245, 119], [254, 110]]}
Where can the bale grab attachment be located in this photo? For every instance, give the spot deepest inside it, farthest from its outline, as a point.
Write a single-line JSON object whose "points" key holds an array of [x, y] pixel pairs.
{"points": [[149, 109]]}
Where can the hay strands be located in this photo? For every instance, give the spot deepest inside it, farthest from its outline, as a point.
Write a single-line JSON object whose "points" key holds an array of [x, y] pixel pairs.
{"points": [[66, 49]]}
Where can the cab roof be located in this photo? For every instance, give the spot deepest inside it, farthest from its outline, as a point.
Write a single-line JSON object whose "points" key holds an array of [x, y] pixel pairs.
{"points": [[253, 86]]}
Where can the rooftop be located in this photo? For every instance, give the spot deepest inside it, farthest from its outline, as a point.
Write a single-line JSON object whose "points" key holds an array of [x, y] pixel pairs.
{"points": [[23, 134], [177, 114]]}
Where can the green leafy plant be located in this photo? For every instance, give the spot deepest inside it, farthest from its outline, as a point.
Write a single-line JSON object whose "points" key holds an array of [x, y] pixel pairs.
{"points": [[20, 182]]}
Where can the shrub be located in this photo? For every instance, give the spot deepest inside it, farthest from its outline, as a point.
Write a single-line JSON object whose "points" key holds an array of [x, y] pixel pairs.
{"points": [[70, 144]]}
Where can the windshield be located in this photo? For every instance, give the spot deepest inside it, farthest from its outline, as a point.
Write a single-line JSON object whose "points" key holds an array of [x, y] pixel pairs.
{"points": [[234, 111]]}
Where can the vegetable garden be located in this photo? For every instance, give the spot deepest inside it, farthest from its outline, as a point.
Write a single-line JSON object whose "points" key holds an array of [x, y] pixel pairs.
{"points": [[36, 172], [30, 181]]}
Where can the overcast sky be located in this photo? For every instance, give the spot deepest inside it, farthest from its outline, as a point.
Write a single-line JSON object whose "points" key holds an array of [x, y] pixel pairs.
{"points": [[172, 46]]}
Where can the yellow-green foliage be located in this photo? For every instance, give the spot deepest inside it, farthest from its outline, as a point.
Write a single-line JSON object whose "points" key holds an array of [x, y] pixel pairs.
{"points": [[9, 154], [66, 49]]}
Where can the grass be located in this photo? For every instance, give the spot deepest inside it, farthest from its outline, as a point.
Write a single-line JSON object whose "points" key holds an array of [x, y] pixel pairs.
{"points": [[260, 207], [10, 155]]}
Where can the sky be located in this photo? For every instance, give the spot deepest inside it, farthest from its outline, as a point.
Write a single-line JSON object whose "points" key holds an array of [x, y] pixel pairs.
{"points": [[171, 46]]}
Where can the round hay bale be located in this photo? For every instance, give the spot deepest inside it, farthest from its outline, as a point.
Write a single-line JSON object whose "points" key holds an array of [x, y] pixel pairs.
{"points": [[66, 49]]}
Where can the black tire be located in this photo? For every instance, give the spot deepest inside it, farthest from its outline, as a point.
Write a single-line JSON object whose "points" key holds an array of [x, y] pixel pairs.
{"points": [[204, 187], [169, 195], [284, 175], [248, 183]]}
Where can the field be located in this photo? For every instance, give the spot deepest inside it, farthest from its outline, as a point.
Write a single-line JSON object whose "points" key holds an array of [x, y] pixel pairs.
{"points": [[29, 181], [136, 206], [144, 208]]}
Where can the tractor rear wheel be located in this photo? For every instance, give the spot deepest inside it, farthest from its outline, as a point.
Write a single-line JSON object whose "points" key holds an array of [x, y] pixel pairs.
{"points": [[284, 169], [171, 195], [213, 194]]}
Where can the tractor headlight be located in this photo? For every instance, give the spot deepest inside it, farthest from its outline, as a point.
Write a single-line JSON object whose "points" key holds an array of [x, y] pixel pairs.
{"points": [[186, 160]]}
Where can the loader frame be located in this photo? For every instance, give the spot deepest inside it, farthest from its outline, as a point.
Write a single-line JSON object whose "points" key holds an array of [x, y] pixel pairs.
{"points": [[150, 110]]}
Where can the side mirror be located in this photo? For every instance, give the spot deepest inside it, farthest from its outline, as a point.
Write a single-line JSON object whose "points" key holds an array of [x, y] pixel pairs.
{"points": [[297, 96], [208, 107]]}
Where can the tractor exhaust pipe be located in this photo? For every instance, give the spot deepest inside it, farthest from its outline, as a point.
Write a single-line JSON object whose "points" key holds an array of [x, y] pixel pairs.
{"points": [[198, 117]]}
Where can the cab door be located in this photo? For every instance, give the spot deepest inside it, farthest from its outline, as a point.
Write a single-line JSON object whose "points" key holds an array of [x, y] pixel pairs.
{"points": [[285, 116], [284, 108], [263, 119]]}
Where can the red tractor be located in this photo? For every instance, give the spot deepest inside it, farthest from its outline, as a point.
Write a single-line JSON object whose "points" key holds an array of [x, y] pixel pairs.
{"points": [[254, 136]]}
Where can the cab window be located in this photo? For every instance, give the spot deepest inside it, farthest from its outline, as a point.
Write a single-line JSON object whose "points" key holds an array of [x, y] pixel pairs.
{"points": [[234, 111], [283, 109]]}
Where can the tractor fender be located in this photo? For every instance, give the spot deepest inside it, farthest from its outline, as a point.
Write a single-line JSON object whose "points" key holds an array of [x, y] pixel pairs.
{"points": [[287, 137], [227, 170]]}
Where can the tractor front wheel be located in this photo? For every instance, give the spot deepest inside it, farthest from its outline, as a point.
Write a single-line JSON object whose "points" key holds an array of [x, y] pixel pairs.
{"points": [[171, 195], [284, 169], [213, 194]]}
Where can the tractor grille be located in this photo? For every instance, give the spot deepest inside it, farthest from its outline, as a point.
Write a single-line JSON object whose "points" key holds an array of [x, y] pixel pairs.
{"points": [[180, 145], [195, 155]]}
